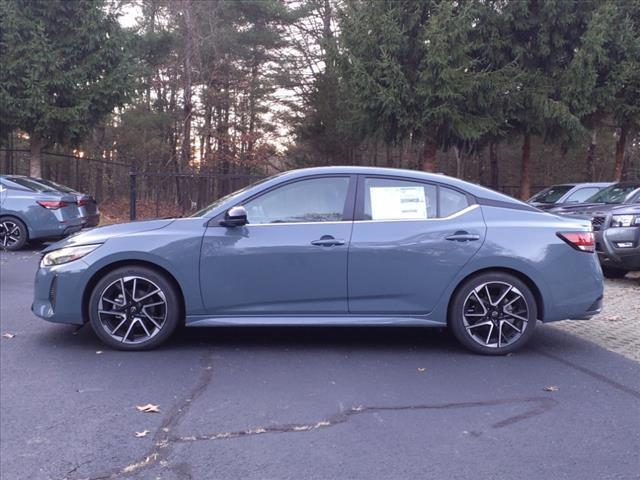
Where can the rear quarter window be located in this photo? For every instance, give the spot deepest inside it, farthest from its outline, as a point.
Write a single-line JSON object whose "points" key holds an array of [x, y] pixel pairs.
{"points": [[451, 201]]}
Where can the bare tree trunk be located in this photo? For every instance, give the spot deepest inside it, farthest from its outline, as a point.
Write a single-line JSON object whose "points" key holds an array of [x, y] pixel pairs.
{"points": [[493, 165], [429, 155], [621, 146], [458, 157], [185, 152], [35, 161], [8, 154], [388, 159], [591, 156], [525, 180]]}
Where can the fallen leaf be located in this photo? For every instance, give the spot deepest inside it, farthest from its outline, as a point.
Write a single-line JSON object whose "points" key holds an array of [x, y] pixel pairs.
{"points": [[614, 318], [99, 352], [148, 408], [141, 434], [422, 369], [551, 388], [8, 335]]}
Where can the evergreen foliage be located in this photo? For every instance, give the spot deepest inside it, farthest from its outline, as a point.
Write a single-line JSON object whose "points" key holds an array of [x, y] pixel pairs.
{"points": [[65, 67]]}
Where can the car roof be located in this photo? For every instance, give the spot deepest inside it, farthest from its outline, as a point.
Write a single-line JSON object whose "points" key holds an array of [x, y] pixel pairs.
{"points": [[471, 188], [582, 184]]}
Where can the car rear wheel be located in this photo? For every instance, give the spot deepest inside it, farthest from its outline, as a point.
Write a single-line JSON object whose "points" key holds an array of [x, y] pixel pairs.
{"points": [[612, 272], [13, 234], [493, 313], [134, 308]]}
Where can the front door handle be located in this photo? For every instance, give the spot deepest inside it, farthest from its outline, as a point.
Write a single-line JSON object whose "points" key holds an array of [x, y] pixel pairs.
{"points": [[327, 241], [463, 237]]}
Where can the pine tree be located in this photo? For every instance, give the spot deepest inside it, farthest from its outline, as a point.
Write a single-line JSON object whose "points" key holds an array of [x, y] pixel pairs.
{"points": [[411, 73], [540, 38], [64, 68]]}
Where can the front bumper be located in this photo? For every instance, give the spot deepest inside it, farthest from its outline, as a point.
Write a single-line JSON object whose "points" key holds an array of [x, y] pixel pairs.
{"points": [[58, 293], [612, 253]]}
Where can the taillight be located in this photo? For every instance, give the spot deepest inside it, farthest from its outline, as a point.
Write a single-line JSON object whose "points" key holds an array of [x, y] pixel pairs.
{"points": [[82, 202], [52, 204], [583, 241]]}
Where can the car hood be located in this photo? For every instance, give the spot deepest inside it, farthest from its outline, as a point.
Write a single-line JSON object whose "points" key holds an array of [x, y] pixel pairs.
{"points": [[543, 206], [587, 210], [101, 234]]}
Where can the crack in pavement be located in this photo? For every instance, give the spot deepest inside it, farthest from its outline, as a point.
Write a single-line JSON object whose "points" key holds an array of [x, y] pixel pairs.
{"points": [[163, 442], [541, 405]]}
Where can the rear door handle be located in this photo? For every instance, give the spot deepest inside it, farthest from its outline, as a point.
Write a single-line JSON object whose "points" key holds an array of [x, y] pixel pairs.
{"points": [[327, 241], [463, 237]]}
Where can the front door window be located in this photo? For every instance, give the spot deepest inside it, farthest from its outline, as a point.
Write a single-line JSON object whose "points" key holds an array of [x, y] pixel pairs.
{"points": [[313, 200]]}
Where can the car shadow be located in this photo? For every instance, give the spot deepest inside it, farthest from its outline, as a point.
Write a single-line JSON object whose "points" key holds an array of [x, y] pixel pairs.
{"points": [[312, 338]]}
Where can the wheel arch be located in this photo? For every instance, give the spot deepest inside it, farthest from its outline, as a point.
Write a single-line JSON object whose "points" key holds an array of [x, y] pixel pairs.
{"points": [[17, 217], [104, 270], [528, 281]]}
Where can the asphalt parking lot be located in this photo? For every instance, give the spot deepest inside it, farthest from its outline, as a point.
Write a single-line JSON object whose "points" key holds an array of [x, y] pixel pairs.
{"points": [[312, 403]]}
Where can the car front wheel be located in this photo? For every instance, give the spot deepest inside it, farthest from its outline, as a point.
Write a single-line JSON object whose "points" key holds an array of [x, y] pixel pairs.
{"points": [[13, 234], [134, 308], [493, 313]]}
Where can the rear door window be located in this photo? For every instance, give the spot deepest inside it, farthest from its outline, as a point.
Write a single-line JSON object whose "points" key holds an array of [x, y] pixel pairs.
{"points": [[391, 199]]}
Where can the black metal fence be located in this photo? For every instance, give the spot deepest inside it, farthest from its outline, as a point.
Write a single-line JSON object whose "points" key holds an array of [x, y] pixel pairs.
{"points": [[188, 192], [143, 194]]}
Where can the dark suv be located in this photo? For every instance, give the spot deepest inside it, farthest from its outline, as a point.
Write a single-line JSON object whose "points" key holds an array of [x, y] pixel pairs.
{"points": [[623, 193], [616, 223], [618, 240], [617, 235]]}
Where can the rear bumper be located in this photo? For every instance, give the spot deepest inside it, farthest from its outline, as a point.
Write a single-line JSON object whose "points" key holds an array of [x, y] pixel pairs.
{"points": [[92, 220], [593, 310]]}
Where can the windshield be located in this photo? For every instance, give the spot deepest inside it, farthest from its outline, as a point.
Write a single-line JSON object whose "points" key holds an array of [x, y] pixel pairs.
{"points": [[613, 194], [202, 212], [551, 194]]}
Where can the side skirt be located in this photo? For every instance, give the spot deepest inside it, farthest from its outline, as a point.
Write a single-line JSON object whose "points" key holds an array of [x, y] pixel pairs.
{"points": [[311, 320]]}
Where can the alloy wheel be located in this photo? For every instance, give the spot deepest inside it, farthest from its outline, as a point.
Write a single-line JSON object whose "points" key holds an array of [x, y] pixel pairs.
{"points": [[495, 314], [9, 234], [132, 309]]}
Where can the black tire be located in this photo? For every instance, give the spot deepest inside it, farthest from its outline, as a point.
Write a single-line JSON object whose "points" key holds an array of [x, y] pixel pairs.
{"points": [[13, 228], [612, 272], [110, 285], [467, 333]]}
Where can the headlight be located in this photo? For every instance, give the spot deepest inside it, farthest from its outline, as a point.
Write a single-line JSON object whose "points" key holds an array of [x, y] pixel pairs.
{"points": [[624, 220], [66, 255]]}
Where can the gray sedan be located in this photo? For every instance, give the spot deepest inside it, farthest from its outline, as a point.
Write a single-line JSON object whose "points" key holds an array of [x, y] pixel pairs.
{"points": [[330, 246], [30, 210]]}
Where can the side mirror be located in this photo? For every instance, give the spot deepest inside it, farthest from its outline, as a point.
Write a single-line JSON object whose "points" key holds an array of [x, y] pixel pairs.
{"points": [[235, 217]]}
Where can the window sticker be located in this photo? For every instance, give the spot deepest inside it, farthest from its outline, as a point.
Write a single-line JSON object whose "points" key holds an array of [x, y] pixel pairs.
{"points": [[398, 203]]}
